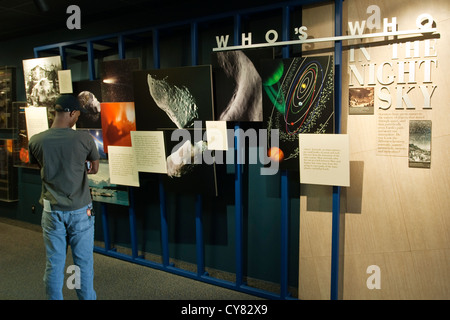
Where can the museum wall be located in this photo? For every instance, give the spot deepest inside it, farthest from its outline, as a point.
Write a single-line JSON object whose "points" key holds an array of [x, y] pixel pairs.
{"points": [[394, 216], [262, 202]]}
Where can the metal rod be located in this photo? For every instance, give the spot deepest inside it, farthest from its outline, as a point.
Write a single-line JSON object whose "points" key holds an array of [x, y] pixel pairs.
{"points": [[62, 54], [194, 43], [132, 219], [105, 224], [334, 287], [329, 39], [285, 207], [198, 199], [156, 57], [164, 225], [199, 235], [121, 44], [238, 182], [91, 60]]}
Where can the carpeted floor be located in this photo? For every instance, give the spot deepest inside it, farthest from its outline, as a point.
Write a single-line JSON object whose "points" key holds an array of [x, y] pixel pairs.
{"points": [[22, 262]]}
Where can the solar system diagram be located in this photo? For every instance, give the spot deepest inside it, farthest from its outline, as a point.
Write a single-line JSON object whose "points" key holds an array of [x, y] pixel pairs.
{"points": [[298, 98]]}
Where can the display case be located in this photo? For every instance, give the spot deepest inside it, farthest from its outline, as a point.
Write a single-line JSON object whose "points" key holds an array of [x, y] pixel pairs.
{"points": [[7, 96], [8, 134], [8, 173], [21, 156]]}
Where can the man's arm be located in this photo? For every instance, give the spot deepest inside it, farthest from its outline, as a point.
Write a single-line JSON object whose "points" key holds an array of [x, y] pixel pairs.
{"points": [[94, 167]]}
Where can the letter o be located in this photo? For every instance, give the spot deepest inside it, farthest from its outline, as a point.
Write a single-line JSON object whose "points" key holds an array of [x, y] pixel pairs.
{"points": [[275, 36], [424, 17]]}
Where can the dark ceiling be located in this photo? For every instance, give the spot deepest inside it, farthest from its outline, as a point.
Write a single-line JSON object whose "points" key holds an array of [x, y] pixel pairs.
{"points": [[20, 18]]}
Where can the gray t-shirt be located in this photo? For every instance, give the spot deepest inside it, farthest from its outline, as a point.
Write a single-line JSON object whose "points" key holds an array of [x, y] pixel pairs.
{"points": [[61, 153]]}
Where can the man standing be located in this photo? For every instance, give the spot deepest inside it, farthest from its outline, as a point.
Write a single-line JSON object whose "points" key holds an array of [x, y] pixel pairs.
{"points": [[65, 157]]}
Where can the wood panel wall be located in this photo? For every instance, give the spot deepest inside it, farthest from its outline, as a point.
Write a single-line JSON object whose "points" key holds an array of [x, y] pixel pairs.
{"points": [[394, 216]]}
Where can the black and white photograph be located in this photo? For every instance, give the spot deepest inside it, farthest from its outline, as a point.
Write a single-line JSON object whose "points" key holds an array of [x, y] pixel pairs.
{"points": [[238, 85], [419, 144], [41, 83], [41, 80], [173, 98]]}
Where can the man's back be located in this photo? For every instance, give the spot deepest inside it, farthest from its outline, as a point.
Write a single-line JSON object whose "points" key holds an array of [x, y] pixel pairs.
{"points": [[61, 153]]}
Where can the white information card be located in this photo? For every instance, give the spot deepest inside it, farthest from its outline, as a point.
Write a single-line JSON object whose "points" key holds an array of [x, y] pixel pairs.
{"points": [[36, 119], [149, 151], [216, 133], [122, 166], [324, 159]]}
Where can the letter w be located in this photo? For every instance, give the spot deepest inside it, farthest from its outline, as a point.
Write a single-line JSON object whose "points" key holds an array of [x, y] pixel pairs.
{"points": [[222, 42], [357, 27]]}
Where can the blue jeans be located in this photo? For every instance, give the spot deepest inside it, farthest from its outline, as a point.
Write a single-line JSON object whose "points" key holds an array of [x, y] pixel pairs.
{"points": [[74, 228]]}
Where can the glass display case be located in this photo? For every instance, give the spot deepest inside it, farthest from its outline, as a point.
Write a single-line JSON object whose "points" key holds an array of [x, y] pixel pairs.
{"points": [[8, 134], [7, 96], [8, 173]]}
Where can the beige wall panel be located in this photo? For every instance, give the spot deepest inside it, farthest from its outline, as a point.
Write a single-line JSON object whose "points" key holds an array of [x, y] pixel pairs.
{"points": [[314, 278], [308, 285], [305, 246], [398, 217], [319, 19], [432, 268], [424, 214], [315, 220], [441, 178], [355, 276], [361, 132], [323, 269], [399, 277], [380, 226]]}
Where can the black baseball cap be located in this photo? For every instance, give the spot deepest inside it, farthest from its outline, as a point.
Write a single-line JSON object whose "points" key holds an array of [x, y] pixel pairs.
{"points": [[68, 103]]}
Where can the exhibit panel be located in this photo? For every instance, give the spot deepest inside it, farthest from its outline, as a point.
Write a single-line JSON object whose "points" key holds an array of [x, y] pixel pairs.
{"points": [[394, 221], [381, 101]]}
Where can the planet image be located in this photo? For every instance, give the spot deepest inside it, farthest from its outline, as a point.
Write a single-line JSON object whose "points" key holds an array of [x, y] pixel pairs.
{"points": [[276, 154]]}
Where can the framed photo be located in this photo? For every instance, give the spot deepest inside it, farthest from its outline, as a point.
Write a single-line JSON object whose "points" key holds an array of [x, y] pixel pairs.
{"points": [[419, 153]]}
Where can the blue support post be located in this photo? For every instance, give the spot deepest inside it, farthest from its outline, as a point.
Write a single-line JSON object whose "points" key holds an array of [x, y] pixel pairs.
{"points": [[164, 225], [162, 193], [200, 253], [238, 208], [121, 48], [91, 59], [105, 223], [132, 219], [284, 269], [156, 58], [334, 288], [285, 205], [199, 236], [194, 43], [238, 182], [62, 54]]}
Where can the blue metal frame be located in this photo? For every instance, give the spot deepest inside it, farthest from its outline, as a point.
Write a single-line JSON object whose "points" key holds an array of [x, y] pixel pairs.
{"points": [[335, 232], [285, 201]]}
